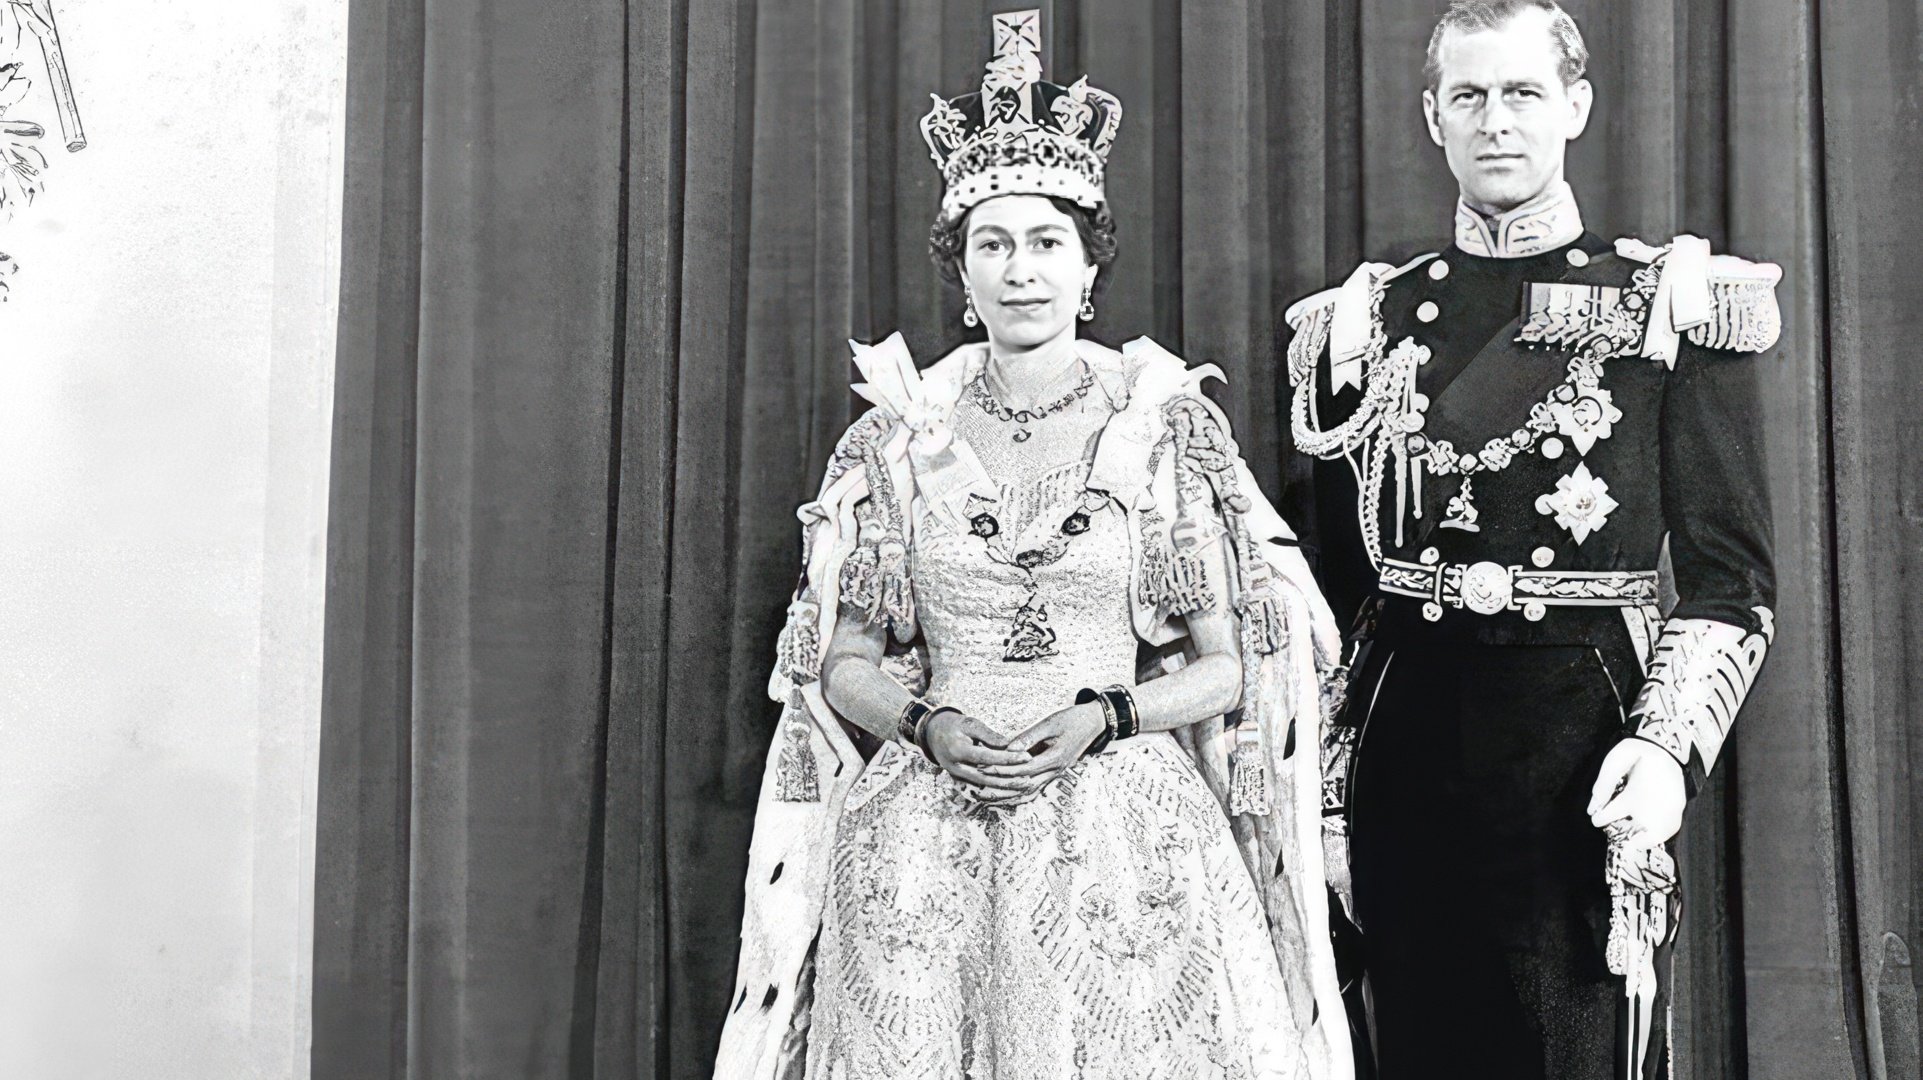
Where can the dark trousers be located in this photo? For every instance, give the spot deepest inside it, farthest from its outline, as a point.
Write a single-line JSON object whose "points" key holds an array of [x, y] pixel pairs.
{"points": [[1478, 878]]}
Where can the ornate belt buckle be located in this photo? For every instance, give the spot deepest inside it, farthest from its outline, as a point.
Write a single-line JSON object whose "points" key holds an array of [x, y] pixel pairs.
{"points": [[1487, 587]]}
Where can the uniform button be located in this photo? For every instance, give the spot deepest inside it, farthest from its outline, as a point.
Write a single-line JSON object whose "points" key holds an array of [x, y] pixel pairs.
{"points": [[1578, 257], [1430, 556], [1428, 311], [1438, 270], [1534, 611], [1552, 448], [1542, 556]]}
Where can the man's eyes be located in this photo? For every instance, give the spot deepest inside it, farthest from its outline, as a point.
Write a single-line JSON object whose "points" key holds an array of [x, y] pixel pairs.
{"points": [[1470, 97]]}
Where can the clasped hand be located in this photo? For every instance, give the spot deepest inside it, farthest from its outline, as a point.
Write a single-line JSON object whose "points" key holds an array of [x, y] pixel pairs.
{"points": [[1002, 771], [1639, 796]]}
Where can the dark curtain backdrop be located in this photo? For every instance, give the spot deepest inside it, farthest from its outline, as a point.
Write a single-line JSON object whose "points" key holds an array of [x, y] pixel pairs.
{"points": [[601, 259]]}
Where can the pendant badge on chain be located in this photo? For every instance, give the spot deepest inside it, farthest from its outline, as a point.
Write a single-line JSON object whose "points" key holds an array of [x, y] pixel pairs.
{"points": [[1461, 512], [1030, 637]]}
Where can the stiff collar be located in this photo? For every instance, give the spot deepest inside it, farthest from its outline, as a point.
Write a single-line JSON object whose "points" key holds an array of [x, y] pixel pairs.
{"points": [[1544, 223]]}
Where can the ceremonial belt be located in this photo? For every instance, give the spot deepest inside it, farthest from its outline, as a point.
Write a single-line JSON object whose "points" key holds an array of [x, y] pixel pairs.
{"points": [[1487, 588]]}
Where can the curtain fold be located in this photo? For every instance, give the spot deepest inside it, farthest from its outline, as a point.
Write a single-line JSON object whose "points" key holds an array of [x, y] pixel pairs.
{"points": [[600, 265], [1869, 68], [362, 842], [1793, 951]]}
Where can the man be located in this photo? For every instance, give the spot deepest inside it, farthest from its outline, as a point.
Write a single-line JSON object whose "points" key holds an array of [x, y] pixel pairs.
{"points": [[1510, 430]]}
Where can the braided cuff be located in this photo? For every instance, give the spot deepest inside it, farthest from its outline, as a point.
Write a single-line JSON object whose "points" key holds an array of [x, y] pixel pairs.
{"points": [[1699, 675]]}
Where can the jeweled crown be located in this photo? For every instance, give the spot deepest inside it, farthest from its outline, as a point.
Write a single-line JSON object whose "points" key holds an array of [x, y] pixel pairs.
{"points": [[1021, 135]]}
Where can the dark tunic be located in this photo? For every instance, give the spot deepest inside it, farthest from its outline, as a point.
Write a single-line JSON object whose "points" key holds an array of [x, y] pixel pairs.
{"points": [[1478, 879]]}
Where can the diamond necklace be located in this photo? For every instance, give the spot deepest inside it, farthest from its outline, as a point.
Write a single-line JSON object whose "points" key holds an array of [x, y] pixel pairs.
{"points": [[1021, 418]]}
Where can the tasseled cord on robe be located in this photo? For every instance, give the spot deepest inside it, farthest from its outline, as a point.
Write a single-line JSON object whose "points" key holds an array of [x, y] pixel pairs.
{"points": [[1263, 765]]}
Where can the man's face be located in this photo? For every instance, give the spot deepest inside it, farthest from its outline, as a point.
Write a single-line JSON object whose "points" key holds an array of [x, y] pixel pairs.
{"points": [[1501, 113]]}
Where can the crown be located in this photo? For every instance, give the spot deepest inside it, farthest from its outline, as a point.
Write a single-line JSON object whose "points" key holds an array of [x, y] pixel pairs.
{"points": [[1021, 135]]}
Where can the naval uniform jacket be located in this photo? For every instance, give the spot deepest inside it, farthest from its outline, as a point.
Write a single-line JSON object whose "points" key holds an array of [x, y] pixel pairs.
{"points": [[1596, 399]]}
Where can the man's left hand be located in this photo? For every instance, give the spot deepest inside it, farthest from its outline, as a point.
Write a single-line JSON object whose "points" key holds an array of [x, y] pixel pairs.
{"points": [[1639, 794]]}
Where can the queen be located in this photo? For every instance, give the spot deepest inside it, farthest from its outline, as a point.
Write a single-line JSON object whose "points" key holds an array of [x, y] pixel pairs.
{"points": [[1036, 807]]}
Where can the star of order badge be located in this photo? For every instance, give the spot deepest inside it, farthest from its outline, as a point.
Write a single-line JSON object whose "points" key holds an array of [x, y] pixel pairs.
{"points": [[1581, 503]]}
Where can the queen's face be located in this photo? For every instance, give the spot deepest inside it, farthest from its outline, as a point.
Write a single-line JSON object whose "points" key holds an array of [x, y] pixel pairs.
{"points": [[1026, 268], [1501, 113]]}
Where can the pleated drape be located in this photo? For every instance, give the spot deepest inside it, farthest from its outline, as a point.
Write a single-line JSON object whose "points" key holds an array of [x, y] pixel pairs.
{"points": [[1870, 72], [601, 261]]}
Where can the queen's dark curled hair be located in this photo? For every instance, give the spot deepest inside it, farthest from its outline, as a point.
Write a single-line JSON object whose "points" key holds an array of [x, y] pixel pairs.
{"points": [[1095, 227]]}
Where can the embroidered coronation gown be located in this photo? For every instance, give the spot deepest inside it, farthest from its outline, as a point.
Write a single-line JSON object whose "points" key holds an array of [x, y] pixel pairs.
{"points": [[1108, 927]]}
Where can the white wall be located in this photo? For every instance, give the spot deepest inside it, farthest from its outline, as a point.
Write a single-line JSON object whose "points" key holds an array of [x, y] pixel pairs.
{"points": [[165, 367]]}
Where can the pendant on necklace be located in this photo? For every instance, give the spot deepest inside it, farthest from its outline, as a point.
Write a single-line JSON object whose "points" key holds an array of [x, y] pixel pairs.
{"points": [[1021, 434]]}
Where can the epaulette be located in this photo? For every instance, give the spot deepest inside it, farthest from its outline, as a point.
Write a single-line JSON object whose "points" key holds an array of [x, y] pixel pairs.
{"points": [[1309, 306], [1720, 301], [1343, 318]]}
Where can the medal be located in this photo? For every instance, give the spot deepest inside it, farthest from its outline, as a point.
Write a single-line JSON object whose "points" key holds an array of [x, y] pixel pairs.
{"points": [[1561, 314]]}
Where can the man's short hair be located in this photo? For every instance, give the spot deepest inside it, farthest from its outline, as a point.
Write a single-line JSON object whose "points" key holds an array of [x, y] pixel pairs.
{"points": [[1469, 16]]}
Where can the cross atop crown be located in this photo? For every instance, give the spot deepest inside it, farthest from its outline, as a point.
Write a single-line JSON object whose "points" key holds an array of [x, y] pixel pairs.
{"points": [[1021, 135]]}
